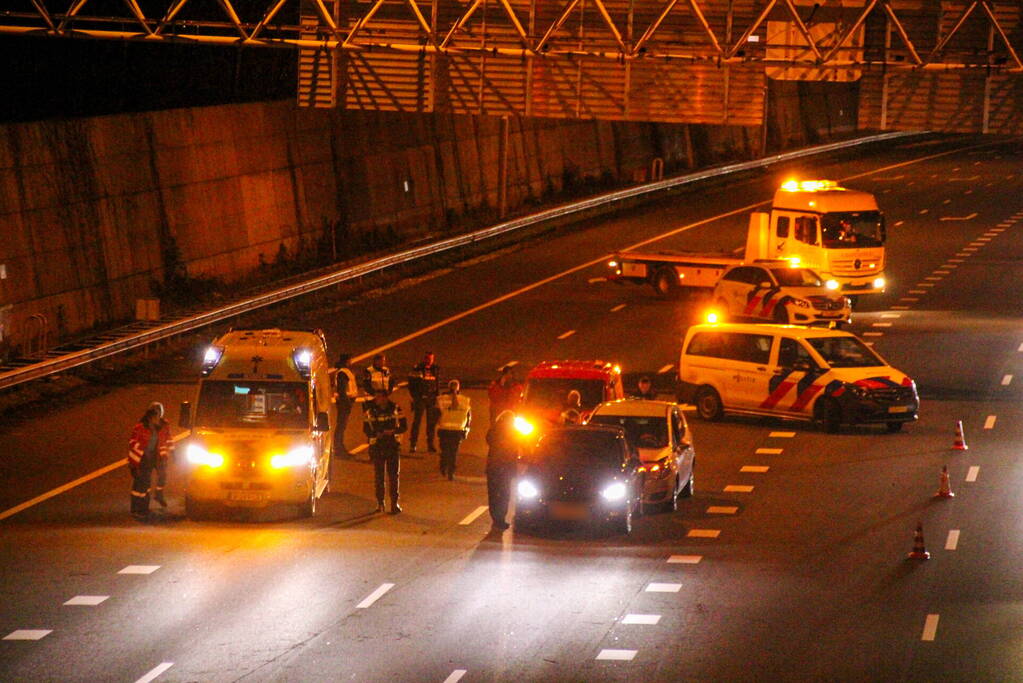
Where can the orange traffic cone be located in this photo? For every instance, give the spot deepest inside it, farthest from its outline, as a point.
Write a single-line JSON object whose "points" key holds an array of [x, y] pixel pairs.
{"points": [[945, 489], [960, 442], [919, 552]]}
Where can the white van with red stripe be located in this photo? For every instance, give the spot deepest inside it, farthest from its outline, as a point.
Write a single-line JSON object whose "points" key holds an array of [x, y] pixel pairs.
{"points": [[790, 371]]}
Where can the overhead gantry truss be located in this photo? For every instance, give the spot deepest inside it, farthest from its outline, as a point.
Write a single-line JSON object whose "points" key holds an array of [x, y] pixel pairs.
{"points": [[682, 60]]}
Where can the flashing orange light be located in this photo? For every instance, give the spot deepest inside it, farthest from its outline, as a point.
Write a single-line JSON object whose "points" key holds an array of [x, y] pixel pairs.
{"points": [[808, 185], [523, 426], [712, 317]]}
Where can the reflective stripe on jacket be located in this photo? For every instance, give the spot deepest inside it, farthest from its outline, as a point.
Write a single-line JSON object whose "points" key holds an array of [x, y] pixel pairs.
{"points": [[453, 418], [139, 439]]}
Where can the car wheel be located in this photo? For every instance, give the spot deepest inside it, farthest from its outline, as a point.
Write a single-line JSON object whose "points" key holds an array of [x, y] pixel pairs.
{"points": [[308, 508], [827, 414], [781, 314], [330, 468], [708, 404], [687, 490], [671, 505], [894, 427], [666, 282]]}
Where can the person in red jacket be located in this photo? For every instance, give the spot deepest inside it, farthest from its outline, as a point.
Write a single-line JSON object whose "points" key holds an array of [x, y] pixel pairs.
{"points": [[505, 392], [148, 449]]}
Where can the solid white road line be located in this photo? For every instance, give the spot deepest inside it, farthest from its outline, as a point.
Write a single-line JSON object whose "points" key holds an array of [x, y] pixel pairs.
{"points": [[566, 335], [881, 324], [738, 488], [139, 569], [703, 533], [930, 627], [375, 595], [971, 474], [769, 451], [61, 489], [722, 510], [685, 559], [595, 280], [1006, 380], [782, 435], [953, 539], [617, 308], [756, 469], [989, 422], [891, 315], [455, 676], [642, 619], [666, 368], [155, 672], [472, 516], [28, 634], [663, 587], [90, 600], [617, 655], [959, 218]]}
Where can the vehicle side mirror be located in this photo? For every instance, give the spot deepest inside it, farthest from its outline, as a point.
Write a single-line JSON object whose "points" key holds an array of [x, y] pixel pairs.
{"points": [[185, 415], [322, 422]]}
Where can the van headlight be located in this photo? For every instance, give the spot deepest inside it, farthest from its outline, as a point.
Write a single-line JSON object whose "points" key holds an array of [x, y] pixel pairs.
{"points": [[197, 455], [614, 492], [303, 455], [879, 283], [831, 284], [528, 489]]}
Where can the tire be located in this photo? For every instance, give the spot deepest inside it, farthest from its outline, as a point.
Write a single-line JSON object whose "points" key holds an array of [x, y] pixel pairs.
{"points": [[708, 404], [894, 427], [666, 282], [687, 490], [827, 415], [308, 508], [330, 471], [781, 314], [671, 505]]}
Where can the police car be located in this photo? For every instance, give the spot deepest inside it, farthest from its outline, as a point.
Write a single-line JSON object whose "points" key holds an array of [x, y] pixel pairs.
{"points": [[780, 291]]}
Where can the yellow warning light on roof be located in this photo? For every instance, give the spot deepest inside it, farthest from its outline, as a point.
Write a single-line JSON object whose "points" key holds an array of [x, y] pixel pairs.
{"points": [[808, 185], [794, 261]]}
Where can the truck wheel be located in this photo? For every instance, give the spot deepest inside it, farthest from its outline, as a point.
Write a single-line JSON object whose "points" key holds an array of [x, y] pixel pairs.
{"points": [[708, 404], [827, 415], [666, 282]]}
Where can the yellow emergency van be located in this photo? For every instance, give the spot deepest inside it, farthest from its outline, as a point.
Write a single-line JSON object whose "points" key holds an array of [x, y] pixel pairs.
{"points": [[790, 371], [261, 423]]}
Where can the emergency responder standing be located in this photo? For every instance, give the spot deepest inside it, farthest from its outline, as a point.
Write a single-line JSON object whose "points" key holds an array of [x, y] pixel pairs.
{"points": [[148, 449], [504, 393], [502, 458], [377, 376], [572, 413], [346, 390], [645, 389], [452, 426], [423, 387], [383, 423]]}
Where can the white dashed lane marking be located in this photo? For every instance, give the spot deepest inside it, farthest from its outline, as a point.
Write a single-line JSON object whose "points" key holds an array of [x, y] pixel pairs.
{"points": [[155, 672], [1020, 347], [971, 474], [917, 291], [617, 655], [595, 280], [901, 308], [139, 569], [663, 587], [28, 634], [1006, 380], [375, 595], [930, 627], [989, 423], [769, 451], [642, 619], [738, 488], [873, 334], [782, 435], [959, 218], [704, 533], [617, 308], [953, 539], [722, 510], [455, 676], [891, 315], [473, 516], [90, 600], [685, 559], [924, 211], [756, 469], [666, 368], [566, 335]]}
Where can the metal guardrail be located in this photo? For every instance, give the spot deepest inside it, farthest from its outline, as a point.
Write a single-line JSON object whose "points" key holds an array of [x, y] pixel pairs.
{"points": [[177, 327]]}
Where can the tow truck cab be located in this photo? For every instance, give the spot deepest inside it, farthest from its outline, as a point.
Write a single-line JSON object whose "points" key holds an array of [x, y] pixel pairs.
{"points": [[548, 384], [261, 423], [839, 233]]}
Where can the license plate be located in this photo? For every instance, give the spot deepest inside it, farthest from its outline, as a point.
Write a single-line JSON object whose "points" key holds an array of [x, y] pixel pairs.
{"points": [[246, 496], [898, 409], [569, 511]]}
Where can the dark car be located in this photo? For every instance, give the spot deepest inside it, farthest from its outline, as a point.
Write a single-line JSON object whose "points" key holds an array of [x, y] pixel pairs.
{"points": [[580, 474]]}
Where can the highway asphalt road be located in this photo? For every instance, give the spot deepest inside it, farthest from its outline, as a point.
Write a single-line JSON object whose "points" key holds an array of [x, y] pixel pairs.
{"points": [[806, 579]]}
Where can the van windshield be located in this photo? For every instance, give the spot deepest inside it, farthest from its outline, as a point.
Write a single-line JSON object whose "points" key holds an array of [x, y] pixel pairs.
{"points": [[265, 405], [852, 229], [551, 392], [845, 352]]}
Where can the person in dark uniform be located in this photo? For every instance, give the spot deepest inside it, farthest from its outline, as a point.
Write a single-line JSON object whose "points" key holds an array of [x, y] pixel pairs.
{"points": [[502, 462], [645, 390], [423, 388], [148, 449], [384, 423], [346, 390]]}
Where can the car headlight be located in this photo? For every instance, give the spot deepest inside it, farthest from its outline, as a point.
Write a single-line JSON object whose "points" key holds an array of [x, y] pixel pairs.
{"points": [[523, 426], [614, 492], [879, 283], [528, 489], [303, 455], [856, 390], [197, 455], [831, 284], [802, 303]]}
